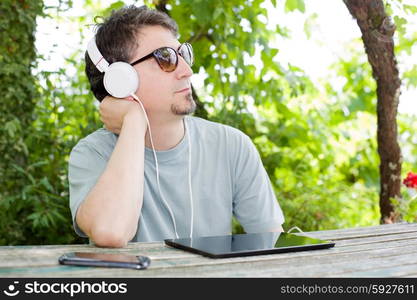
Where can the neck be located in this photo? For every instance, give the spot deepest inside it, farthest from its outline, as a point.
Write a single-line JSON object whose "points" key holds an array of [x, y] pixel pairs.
{"points": [[165, 134]]}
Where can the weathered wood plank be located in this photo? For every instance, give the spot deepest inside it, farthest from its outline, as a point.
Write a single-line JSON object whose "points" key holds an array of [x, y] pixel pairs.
{"points": [[364, 231], [76, 247], [190, 262], [159, 251], [384, 227], [166, 255], [357, 251], [246, 269], [7, 251], [347, 233], [377, 239], [322, 266]]}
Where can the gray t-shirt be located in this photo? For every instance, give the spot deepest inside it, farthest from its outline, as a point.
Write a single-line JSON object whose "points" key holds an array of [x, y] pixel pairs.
{"points": [[227, 175]]}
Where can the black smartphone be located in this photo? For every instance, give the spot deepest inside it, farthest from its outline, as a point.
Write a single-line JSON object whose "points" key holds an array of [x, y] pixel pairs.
{"points": [[109, 260]]}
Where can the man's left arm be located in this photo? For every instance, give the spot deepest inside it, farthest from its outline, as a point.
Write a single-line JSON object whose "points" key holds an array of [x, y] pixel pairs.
{"points": [[277, 229], [254, 202]]}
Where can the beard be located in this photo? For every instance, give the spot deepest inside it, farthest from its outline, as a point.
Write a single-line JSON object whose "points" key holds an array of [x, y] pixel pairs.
{"points": [[184, 109]]}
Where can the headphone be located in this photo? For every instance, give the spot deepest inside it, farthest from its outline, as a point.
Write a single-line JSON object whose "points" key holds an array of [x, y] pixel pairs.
{"points": [[121, 80]]}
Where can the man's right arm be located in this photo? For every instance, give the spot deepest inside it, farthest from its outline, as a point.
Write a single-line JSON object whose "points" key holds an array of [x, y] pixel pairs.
{"points": [[109, 214]]}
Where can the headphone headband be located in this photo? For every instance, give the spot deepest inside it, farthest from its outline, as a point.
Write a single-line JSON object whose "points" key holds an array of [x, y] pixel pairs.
{"points": [[99, 61]]}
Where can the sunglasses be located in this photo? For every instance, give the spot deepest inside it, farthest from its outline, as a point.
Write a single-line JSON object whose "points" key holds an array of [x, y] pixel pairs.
{"points": [[167, 57]]}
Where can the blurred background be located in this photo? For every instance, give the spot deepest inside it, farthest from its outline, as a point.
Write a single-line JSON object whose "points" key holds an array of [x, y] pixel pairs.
{"points": [[292, 74]]}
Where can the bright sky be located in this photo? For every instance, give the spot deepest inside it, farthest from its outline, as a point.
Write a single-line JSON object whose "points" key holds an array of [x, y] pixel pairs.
{"points": [[332, 30]]}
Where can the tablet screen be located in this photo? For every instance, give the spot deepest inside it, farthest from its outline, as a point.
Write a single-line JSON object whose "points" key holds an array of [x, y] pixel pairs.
{"points": [[248, 244]]}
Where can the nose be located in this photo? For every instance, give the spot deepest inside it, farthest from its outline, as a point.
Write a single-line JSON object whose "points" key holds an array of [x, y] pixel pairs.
{"points": [[183, 69]]}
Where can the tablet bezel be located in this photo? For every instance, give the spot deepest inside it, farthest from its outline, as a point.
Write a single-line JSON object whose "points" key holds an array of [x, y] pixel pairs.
{"points": [[184, 244]]}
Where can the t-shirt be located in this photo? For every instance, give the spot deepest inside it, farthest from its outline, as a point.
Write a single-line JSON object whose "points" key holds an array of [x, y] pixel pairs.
{"points": [[227, 178]]}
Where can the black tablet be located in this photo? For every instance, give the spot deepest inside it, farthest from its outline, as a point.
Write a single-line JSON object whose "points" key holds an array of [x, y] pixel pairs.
{"points": [[248, 244]]}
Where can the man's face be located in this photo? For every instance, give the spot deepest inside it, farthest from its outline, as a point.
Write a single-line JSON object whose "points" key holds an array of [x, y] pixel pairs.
{"points": [[166, 94]]}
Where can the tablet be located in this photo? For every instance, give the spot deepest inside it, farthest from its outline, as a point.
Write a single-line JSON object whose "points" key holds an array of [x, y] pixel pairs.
{"points": [[248, 244]]}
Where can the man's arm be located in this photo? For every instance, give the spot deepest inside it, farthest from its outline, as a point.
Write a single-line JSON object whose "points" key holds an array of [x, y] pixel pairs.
{"points": [[277, 229], [110, 212], [254, 202]]}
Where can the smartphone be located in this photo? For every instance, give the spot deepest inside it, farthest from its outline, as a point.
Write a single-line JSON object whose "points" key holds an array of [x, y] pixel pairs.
{"points": [[108, 260]]}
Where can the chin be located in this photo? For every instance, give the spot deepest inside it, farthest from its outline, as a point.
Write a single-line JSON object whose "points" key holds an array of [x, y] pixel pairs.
{"points": [[184, 110]]}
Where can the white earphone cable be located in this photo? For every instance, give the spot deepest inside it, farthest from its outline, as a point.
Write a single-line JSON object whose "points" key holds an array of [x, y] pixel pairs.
{"points": [[156, 166], [296, 228], [189, 179]]}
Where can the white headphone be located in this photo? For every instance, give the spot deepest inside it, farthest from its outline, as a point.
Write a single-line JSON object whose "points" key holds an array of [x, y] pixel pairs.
{"points": [[121, 80]]}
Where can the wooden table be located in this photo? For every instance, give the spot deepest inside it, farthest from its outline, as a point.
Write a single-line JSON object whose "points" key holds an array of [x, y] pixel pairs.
{"points": [[378, 251]]}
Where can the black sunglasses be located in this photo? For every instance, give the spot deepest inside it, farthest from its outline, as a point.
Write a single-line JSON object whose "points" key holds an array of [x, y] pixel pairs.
{"points": [[167, 57]]}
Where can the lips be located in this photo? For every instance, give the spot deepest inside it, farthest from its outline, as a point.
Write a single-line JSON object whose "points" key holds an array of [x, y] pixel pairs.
{"points": [[183, 90]]}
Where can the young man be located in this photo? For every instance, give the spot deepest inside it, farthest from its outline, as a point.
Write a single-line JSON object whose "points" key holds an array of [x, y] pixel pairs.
{"points": [[201, 174]]}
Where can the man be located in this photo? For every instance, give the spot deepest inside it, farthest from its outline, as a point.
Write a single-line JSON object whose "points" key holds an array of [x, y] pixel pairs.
{"points": [[201, 174]]}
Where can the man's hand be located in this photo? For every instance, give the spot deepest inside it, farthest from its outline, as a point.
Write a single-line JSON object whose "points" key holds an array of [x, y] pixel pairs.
{"points": [[113, 112]]}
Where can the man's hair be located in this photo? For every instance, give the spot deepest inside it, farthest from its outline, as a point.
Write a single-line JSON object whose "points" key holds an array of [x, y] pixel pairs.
{"points": [[116, 38]]}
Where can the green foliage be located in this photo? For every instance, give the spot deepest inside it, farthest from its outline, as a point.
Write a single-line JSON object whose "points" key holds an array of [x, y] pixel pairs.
{"points": [[17, 56], [291, 5], [406, 34], [36, 137], [318, 145], [406, 206]]}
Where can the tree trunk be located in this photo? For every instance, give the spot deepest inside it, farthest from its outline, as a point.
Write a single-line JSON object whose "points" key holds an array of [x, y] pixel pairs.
{"points": [[377, 35]]}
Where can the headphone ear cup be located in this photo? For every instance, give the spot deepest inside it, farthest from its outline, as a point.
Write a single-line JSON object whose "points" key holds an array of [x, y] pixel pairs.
{"points": [[121, 80]]}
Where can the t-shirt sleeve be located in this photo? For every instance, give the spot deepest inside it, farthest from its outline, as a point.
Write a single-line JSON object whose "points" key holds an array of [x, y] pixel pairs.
{"points": [[84, 169], [254, 202]]}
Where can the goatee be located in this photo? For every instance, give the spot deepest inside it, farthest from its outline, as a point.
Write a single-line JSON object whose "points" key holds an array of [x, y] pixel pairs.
{"points": [[183, 110]]}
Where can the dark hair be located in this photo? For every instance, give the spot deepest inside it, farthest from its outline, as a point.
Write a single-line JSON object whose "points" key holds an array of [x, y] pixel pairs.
{"points": [[116, 39]]}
